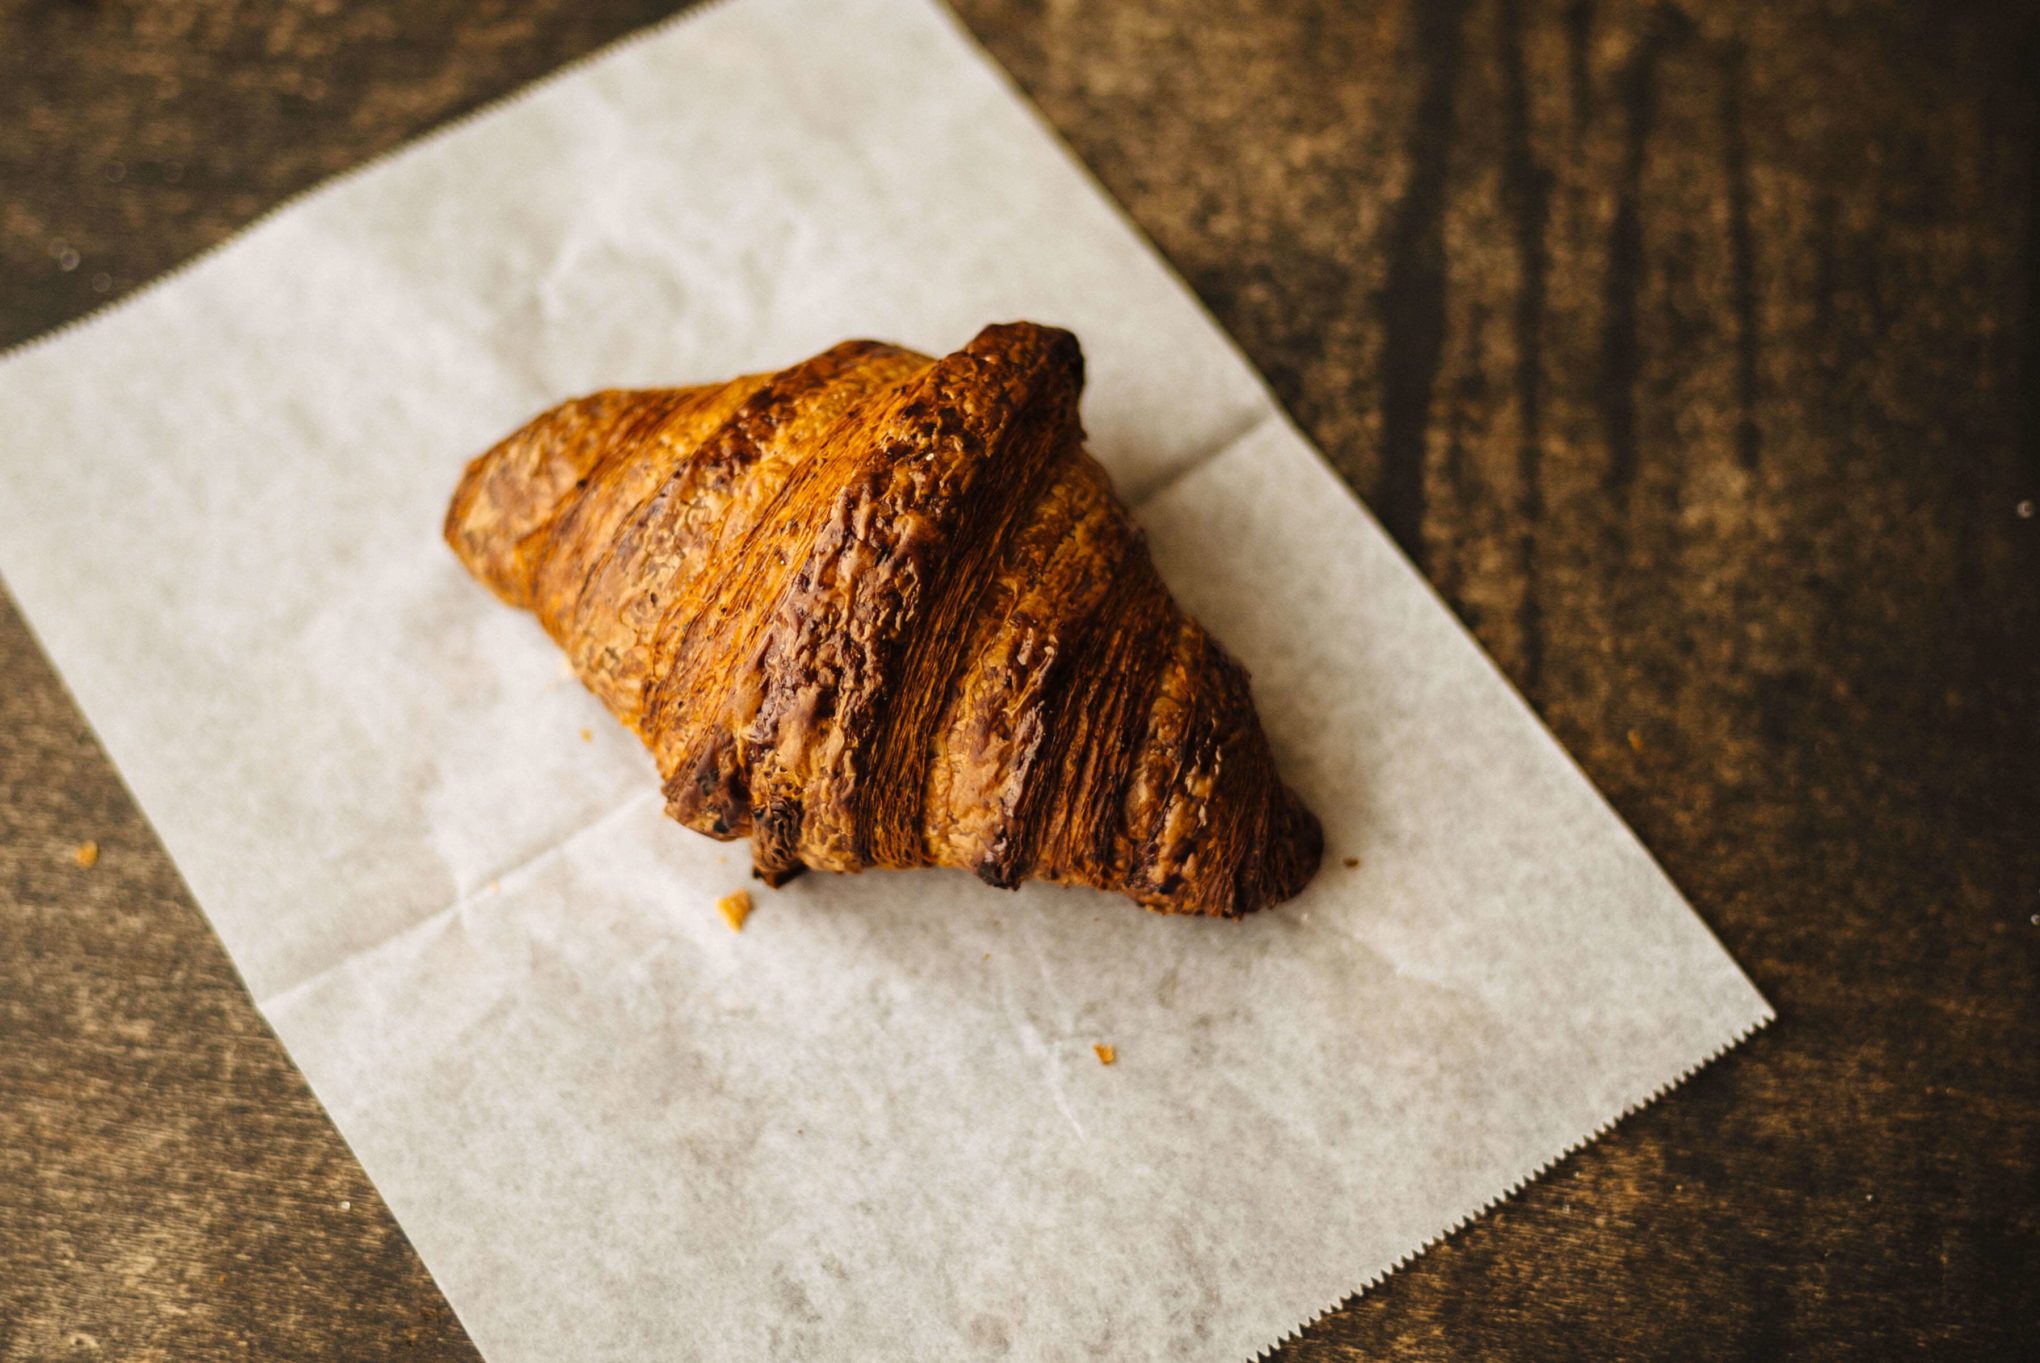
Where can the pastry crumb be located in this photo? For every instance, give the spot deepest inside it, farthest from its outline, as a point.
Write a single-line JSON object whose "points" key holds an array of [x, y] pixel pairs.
{"points": [[1635, 741], [1351, 862], [587, 735], [735, 908], [86, 853], [1106, 1054]]}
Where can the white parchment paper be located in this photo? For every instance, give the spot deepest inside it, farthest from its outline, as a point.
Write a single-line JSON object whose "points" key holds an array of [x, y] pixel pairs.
{"points": [[872, 1125]]}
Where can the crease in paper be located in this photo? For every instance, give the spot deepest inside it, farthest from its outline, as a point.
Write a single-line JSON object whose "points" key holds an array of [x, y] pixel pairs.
{"points": [[872, 1124]]}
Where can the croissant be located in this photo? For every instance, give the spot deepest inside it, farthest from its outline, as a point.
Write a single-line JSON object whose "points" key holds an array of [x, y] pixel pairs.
{"points": [[880, 609]]}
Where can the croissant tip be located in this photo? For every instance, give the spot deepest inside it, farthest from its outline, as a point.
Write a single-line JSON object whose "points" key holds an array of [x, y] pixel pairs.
{"points": [[1291, 862], [1310, 849], [1058, 345], [776, 876]]}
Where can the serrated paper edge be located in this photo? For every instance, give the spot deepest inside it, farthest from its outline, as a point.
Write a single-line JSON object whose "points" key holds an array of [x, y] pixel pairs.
{"points": [[1295, 1333]]}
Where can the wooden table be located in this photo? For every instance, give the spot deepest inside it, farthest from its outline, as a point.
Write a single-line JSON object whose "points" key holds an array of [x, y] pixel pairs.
{"points": [[1691, 351]]}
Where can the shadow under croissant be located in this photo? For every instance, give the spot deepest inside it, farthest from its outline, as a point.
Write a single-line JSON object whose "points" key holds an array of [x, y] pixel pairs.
{"points": [[884, 610]]}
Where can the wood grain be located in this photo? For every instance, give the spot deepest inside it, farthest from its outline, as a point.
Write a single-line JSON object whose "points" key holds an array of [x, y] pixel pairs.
{"points": [[1691, 351]]}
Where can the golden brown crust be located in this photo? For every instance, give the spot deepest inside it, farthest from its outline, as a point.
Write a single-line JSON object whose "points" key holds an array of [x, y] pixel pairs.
{"points": [[880, 609]]}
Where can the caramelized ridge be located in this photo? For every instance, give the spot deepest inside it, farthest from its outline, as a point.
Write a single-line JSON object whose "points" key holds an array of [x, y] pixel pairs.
{"points": [[1117, 674], [703, 712], [564, 550], [631, 560], [1011, 473]]}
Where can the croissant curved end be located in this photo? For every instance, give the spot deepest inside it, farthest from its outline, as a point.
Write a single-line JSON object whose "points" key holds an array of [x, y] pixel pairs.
{"points": [[883, 609]]}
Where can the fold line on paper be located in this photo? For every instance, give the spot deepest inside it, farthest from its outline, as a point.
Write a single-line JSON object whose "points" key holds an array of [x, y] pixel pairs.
{"points": [[283, 994], [1266, 411]]}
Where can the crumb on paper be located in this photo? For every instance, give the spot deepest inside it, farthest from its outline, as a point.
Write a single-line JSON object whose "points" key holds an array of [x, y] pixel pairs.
{"points": [[495, 886], [1106, 1054], [1635, 741], [587, 735], [86, 853], [1351, 862], [735, 908]]}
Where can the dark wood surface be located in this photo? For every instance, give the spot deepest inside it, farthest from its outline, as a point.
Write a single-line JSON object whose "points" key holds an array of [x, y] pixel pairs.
{"points": [[1690, 350]]}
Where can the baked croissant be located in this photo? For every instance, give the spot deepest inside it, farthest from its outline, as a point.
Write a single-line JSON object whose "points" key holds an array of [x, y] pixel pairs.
{"points": [[879, 609]]}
